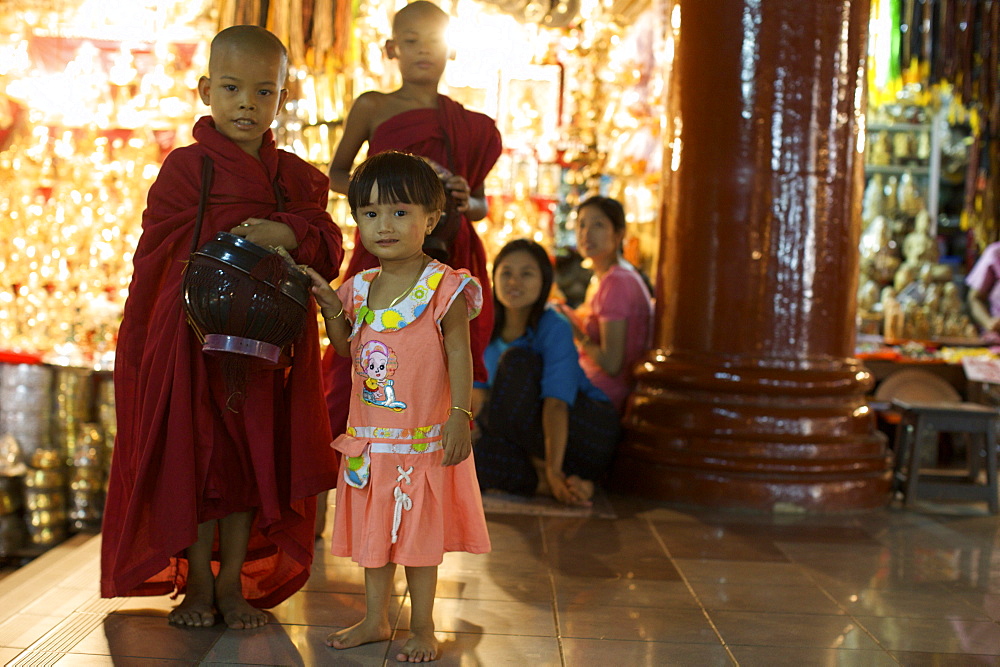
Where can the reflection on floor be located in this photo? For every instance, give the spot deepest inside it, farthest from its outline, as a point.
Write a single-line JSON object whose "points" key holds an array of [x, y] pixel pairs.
{"points": [[658, 585]]}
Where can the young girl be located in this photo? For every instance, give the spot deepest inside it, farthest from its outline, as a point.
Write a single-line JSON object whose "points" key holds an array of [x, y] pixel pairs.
{"points": [[408, 491], [544, 428]]}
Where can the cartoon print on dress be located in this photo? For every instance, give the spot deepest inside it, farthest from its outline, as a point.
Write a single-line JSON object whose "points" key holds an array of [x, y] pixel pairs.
{"points": [[376, 362]]}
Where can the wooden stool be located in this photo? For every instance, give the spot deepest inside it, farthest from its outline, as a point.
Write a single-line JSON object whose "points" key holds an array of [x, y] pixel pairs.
{"points": [[919, 424]]}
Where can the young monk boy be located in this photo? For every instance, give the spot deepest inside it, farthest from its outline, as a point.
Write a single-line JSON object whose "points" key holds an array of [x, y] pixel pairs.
{"points": [[462, 145], [206, 500]]}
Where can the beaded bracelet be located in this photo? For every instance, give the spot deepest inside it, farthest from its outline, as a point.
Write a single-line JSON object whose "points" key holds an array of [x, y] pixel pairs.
{"points": [[468, 412]]}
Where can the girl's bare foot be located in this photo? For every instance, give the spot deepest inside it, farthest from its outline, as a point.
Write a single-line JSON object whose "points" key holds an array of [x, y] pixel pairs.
{"points": [[238, 613], [420, 647], [364, 632], [194, 611]]}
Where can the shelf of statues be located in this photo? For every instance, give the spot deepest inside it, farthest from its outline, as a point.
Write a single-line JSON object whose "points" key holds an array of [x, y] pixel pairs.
{"points": [[904, 292], [892, 195], [909, 149]]}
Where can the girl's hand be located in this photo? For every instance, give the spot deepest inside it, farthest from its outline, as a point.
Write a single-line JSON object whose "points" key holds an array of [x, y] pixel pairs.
{"points": [[456, 438], [459, 189], [267, 233], [325, 296]]}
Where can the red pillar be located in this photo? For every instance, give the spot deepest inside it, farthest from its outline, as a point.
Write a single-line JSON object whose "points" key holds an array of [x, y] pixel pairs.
{"points": [[751, 397]]}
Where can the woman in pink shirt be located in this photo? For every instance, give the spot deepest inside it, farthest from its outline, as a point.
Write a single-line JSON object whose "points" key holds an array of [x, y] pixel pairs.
{"points": [[613, 326]]}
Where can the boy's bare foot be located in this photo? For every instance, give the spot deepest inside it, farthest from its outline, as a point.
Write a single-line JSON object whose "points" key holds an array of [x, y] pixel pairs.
{"points": [[364, 632], [238, 613], [194, 611], [420, 647]]}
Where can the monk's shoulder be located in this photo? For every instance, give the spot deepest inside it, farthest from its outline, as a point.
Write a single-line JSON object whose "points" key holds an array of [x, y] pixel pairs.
{"points": [[373, 108]]}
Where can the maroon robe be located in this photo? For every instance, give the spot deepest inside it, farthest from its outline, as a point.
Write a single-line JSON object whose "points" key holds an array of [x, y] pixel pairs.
{"points": [[180, 457], [475, 144]]}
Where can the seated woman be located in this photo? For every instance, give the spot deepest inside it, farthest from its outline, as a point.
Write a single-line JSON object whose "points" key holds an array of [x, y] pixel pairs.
{"points": [[613, 327], [544, 427], [984, 292]]}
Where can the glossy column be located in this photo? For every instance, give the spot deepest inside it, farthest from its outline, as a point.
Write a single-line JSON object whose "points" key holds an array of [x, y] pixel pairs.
{"points": [[751, 397]]}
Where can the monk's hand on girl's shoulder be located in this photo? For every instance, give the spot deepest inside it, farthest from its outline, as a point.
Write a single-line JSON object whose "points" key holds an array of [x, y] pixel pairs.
{"points": [[456, 439], [266, 233]]}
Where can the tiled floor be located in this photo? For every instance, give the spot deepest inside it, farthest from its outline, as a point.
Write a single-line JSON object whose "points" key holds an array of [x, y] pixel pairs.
{"points": [[659, 585]]}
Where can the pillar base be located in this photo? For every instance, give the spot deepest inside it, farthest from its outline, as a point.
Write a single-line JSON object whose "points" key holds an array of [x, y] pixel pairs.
{"points": [[754, 434]]}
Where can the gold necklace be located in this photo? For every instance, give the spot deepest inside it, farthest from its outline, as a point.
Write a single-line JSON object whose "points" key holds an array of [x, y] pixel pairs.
{"points": [[408, 289]]}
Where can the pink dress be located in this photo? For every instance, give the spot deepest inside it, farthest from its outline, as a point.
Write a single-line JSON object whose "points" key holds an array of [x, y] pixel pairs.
{"points": [[396, 503]]}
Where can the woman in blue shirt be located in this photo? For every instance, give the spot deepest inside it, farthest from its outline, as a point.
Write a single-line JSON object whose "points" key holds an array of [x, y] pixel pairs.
{"points": [[544, 428]]}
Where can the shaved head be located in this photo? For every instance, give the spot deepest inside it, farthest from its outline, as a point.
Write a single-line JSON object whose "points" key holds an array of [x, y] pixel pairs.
{"points": [[251, 41], [419, 10]]}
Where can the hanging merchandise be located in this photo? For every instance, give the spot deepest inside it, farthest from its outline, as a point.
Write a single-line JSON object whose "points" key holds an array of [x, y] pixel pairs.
{"points": [[951, 51]]}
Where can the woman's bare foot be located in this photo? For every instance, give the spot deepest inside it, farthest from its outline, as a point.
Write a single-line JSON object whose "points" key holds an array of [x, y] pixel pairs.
{"points": [[194, 611], [364, 632], [420, 647], [582, 488], [238, 613]]}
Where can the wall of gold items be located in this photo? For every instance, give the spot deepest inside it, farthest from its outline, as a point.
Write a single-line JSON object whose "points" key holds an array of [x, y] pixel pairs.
{"points": [[93, 94]]}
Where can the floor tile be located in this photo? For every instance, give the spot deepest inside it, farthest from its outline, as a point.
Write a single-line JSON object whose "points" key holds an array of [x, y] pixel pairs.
{"points": [[7, 654], [580, 563], [496, 617], [685, 626], [752, 597], [59, 601], [662, 585], [744, 572], [642, 653], [988, 603], [22, 630], [497, 585], [777, 656], [717, 542], [457, 648], [914, 659], [85, 660], [495, 561], [934, 635], [147, 637], [330, 610], [791, 630], [623, 592], [922, 602], [513, 532], [276, 644]]}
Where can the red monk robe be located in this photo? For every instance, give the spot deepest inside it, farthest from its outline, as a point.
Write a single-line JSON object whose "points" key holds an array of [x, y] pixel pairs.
{"points": [[475, 144], [180, 457]]}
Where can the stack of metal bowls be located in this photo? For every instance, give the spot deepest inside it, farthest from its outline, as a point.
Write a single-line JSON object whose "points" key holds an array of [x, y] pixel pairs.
{"points": [[86, 482], [26, 416], [12, 530], [26, 406], [45, 498], [105, 414], [72, 401]]}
